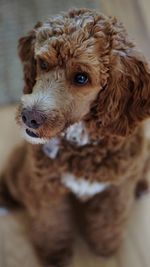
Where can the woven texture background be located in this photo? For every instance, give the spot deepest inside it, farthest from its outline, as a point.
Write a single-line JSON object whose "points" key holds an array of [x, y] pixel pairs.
{"points": [[18, 16]]}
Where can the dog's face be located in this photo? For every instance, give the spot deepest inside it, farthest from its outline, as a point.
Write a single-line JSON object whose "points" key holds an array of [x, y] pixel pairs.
{"points": [[72, 63]]}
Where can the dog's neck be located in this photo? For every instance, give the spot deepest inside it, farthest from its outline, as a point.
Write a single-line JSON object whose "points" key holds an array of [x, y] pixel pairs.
{"points": [[76, 134], [79, 135]]}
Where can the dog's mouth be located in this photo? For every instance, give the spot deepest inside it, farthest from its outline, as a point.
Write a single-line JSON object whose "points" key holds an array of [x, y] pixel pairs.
{"points": [[31, 134], [52, 126]]}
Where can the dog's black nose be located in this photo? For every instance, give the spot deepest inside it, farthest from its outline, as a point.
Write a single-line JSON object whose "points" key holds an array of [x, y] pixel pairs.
{"points": [[32, 118]]}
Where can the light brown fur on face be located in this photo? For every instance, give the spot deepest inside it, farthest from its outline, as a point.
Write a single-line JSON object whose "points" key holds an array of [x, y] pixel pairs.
{"points": [[95, 157], [60, 101], [64, 55]]}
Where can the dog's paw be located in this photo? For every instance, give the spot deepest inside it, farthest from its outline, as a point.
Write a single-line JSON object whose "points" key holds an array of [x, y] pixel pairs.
{"points": [[57, 259]]}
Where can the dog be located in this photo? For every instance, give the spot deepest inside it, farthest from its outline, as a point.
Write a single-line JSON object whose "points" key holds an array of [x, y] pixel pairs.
{"points": [[86, 94]]}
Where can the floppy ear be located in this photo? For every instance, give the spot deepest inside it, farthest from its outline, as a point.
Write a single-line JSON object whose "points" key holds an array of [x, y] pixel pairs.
{"points": [[26, 54], [126, 99]]}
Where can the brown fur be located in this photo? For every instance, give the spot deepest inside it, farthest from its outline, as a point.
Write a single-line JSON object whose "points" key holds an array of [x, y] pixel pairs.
{"points": [[112, 105]]}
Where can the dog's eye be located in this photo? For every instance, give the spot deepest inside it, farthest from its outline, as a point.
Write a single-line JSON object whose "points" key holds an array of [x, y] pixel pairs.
{"points": [[43, 65], [80, 78]]}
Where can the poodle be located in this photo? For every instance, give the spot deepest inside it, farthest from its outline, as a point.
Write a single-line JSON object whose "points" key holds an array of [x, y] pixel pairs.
{"points": [[86, 94]]}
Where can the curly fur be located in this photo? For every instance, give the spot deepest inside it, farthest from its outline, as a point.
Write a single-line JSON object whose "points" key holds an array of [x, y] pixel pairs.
{"points": [[100, 143]]}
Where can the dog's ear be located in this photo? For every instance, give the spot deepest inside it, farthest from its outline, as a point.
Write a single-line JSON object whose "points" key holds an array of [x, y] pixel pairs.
{"points": [[26, 54], [126, 99]]}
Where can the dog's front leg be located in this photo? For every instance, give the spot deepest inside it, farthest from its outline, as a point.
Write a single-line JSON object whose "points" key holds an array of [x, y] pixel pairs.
{"points": [[102, 218], [52, 228], [14, 171]]}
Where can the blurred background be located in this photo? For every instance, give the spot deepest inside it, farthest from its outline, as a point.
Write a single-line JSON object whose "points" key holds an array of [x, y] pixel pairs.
{"points": [[19, 16]]}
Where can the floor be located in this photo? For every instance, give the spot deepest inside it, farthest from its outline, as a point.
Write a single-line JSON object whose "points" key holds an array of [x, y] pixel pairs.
{"points": [[16, 250]]}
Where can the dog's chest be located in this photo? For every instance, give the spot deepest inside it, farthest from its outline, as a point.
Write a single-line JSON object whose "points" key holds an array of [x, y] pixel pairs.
{"points": [[81, 187], [51, 148]]}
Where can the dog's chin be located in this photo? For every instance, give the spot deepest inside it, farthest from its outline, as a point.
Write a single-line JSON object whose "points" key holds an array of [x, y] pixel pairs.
{"points": [[33, 138]]}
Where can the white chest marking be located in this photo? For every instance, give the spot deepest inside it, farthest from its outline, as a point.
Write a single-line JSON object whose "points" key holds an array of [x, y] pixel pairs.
{"points": [[82, 188], [77, 134], [51, 148], [3, 211]]}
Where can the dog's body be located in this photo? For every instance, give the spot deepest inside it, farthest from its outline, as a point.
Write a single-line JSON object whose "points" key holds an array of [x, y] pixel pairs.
{"points": [[82, 105]]}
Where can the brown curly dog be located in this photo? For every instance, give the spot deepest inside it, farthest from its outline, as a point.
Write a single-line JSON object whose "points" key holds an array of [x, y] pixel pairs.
{"points": [[86, 94]]}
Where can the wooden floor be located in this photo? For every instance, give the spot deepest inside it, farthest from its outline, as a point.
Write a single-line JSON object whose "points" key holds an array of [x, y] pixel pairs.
{"points": [[16, 250]]}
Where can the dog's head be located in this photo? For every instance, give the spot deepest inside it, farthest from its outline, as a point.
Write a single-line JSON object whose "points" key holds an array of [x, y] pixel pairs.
{"points": [[81, 66]]}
